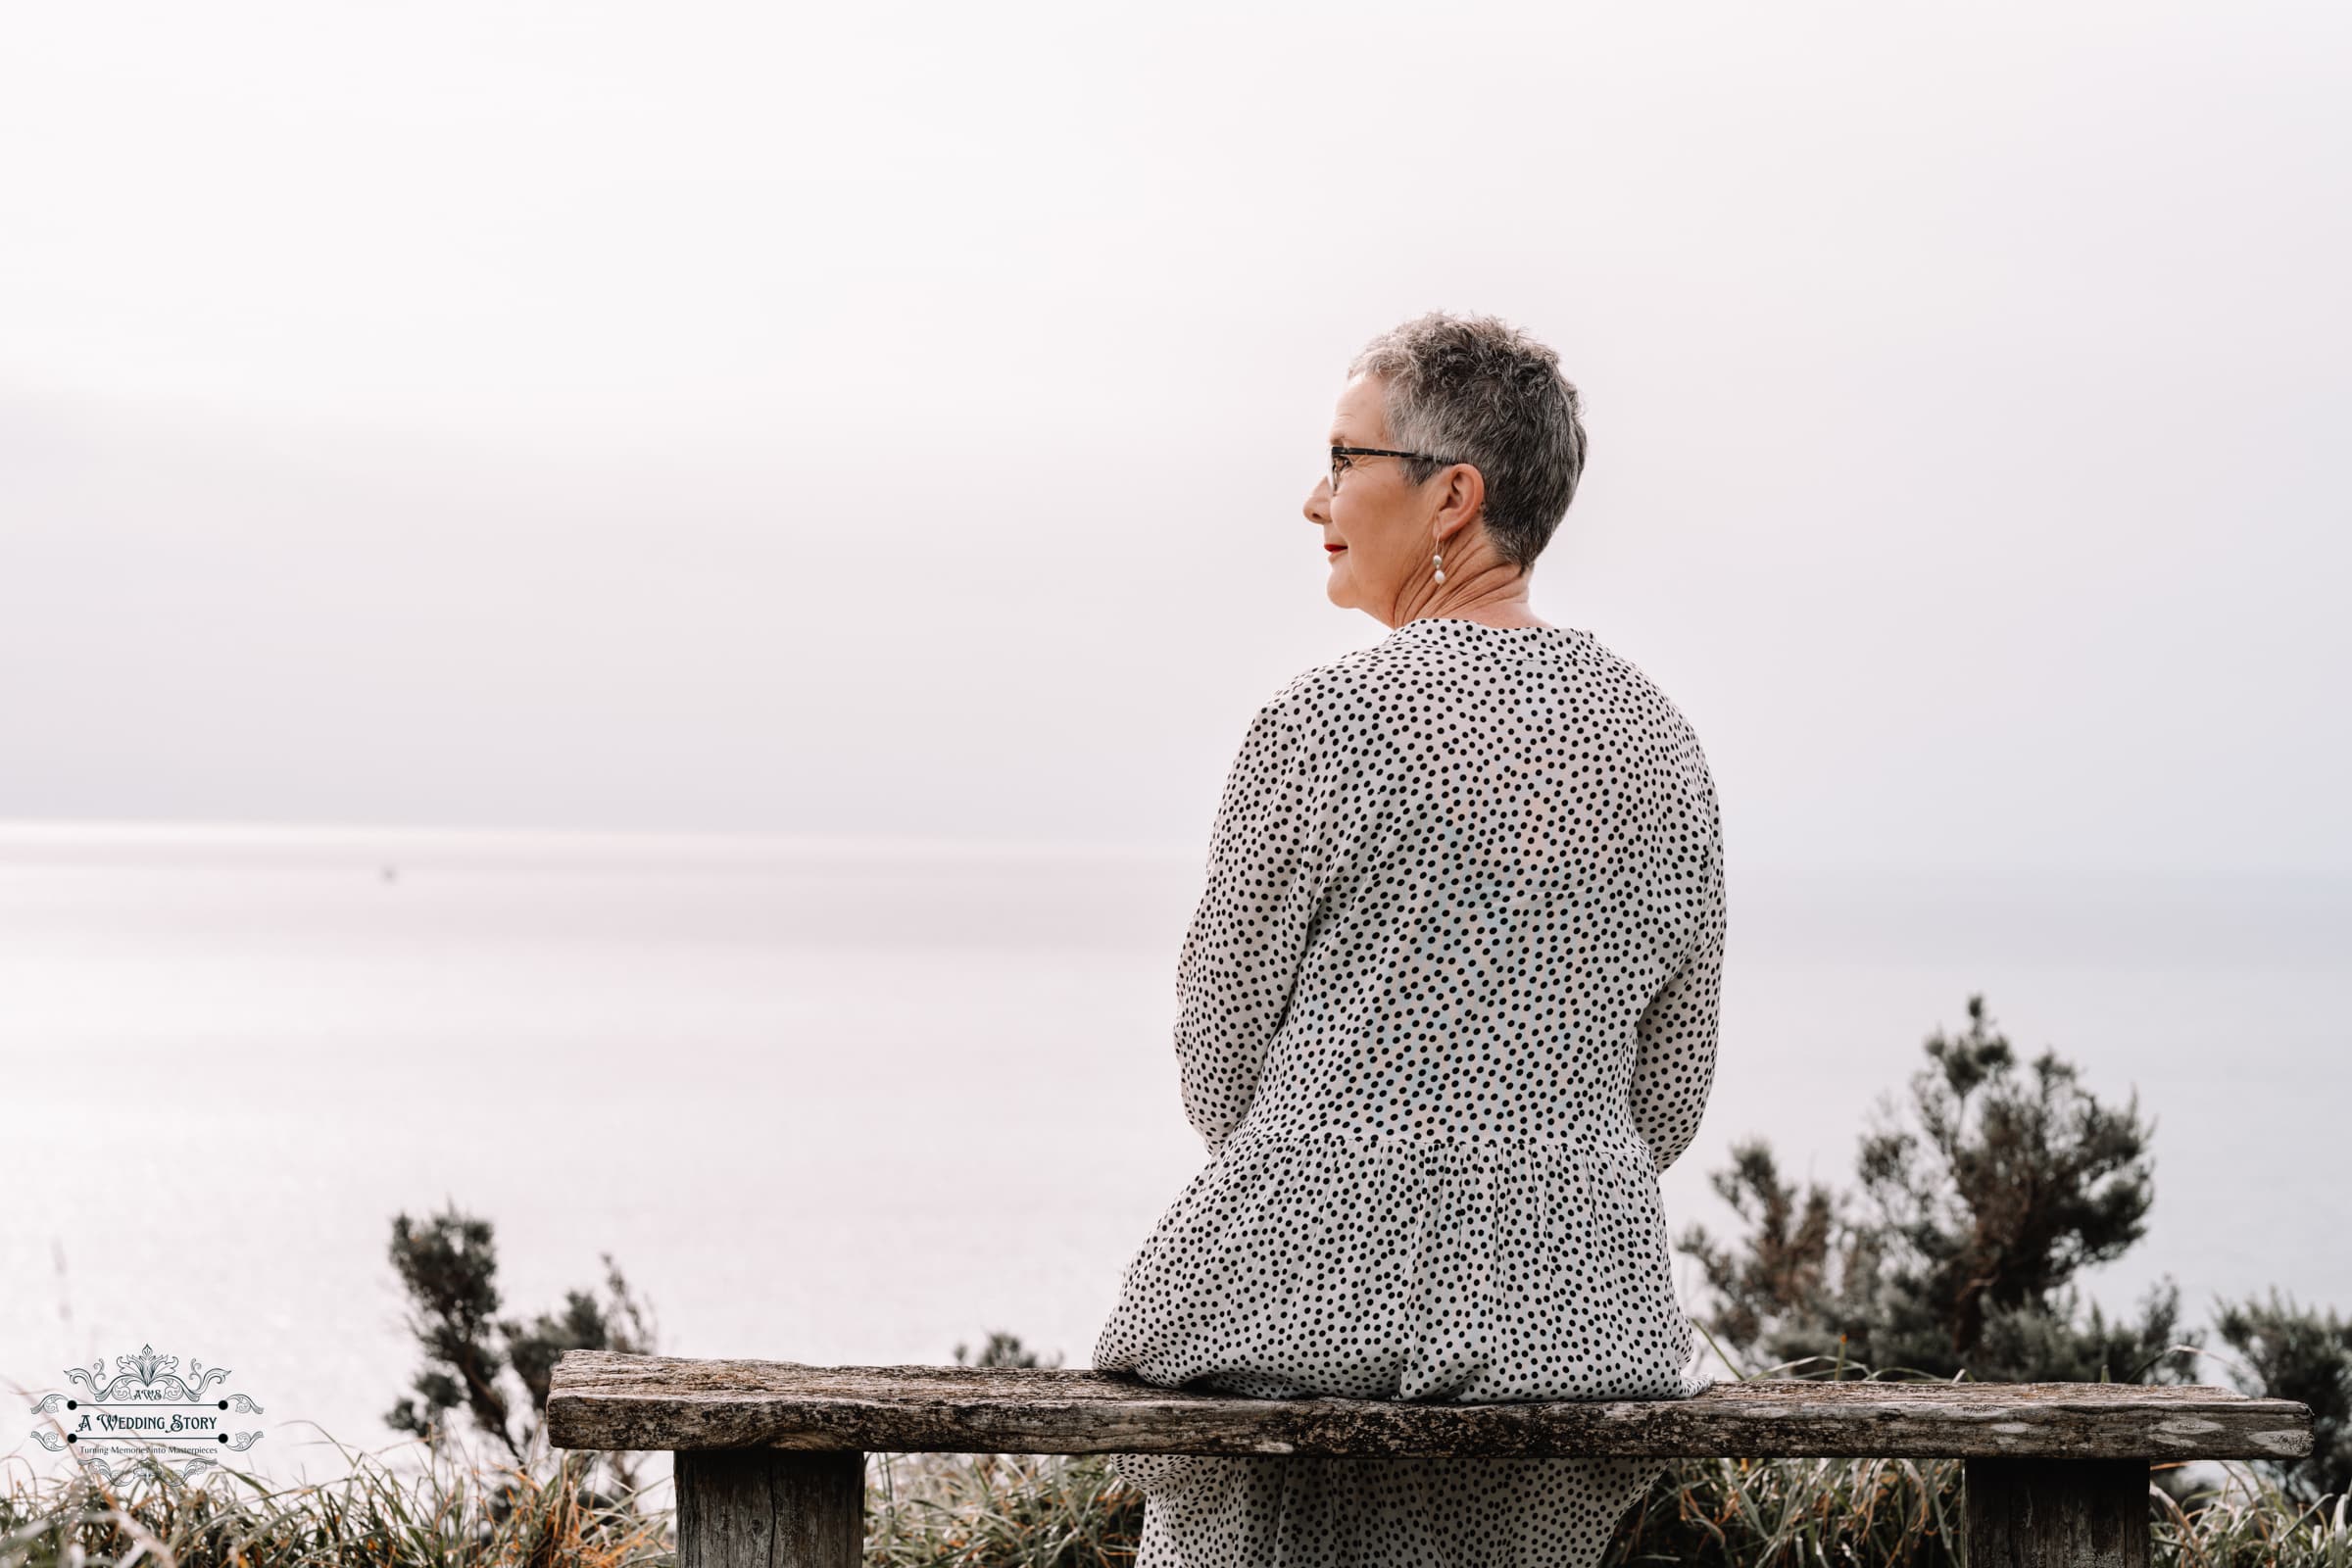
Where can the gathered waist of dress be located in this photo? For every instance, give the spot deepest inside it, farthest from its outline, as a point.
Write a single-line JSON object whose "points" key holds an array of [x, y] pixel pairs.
{"points": [[1593, 1142]]}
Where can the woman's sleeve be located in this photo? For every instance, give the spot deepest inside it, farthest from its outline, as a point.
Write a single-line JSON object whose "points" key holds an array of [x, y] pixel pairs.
{"points": [[1674, 1057], [1248, 938]]}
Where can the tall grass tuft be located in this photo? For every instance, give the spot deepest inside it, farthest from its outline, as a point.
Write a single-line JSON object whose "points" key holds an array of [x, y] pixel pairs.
{"points": [[1780, 1513], [998, 1511], [2249, 1521], [448, 1514]]}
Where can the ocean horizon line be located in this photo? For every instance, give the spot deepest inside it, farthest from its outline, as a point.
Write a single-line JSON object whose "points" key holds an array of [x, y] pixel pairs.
{"points": [[200, 841], [150, 841]]}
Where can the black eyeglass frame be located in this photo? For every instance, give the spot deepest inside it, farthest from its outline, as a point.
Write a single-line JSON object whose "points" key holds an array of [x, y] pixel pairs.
{"points": [[1338, 453]]}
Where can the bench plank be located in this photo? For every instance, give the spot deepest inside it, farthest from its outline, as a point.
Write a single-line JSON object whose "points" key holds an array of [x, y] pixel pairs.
{"points": [[605, 1399]]}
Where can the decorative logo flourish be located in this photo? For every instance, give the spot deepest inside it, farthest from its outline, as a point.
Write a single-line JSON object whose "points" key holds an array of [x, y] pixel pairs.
{"points": [[147, 1412]]}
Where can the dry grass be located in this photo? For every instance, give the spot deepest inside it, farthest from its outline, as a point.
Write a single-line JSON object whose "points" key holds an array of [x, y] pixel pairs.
{"points": [[997, 1511], [444, 1513]]}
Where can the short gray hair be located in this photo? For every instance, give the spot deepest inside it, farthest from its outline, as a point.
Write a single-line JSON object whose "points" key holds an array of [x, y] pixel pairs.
{"points": [[1473, 389]]}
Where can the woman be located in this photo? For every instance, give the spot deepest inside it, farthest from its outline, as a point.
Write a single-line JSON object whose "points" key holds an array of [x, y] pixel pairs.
{"points": [[1447, 1007]]}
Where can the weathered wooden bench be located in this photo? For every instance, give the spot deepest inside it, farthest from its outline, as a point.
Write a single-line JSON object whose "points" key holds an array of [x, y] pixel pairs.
{"points": [[770, 1455]]}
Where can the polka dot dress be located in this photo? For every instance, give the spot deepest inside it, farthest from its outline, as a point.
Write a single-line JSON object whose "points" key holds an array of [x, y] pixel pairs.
{"points": [[1445, 1009]]}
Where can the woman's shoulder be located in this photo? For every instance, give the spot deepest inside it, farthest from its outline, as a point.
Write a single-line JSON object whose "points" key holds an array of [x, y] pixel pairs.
{"points": [[1427, 669], [1325, 693], [1325, 710]]}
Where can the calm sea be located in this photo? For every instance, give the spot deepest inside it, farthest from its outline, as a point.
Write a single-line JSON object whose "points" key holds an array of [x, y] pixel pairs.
{"points": [[861, 1101]]}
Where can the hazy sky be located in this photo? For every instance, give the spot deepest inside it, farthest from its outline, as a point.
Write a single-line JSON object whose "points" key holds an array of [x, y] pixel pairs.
{"points": [[894, 419]]}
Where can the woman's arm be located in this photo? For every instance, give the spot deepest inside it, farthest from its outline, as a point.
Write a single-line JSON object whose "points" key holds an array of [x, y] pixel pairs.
{"points": [[1247, 935], [1674, 1057]]}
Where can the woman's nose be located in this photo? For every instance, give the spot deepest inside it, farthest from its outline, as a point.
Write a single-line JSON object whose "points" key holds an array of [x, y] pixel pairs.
{"points": [[1318, 503]]}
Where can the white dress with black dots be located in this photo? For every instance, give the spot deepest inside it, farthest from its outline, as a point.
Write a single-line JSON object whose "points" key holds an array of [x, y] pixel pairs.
{"points": [[1445, 1009]]}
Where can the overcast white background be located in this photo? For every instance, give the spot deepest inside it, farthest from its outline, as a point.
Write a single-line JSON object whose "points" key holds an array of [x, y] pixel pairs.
{"points": [[894, 420], [657, 421]]}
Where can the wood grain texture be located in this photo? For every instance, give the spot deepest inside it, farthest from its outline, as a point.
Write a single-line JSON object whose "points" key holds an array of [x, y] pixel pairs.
{"points": [[771, 1509], [601, 1400], [2085, 1513]]}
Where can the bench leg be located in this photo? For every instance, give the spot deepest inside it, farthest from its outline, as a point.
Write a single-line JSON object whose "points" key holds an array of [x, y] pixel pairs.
{"points": [[2057, 1513], [771, 1509]]}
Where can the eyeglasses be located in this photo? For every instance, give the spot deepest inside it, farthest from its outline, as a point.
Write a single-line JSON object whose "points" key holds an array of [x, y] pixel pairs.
{"points": [[1339, 456]]}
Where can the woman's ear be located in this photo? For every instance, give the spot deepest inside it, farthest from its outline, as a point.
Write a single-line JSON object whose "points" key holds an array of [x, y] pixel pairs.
{"points": [[1460, 500]]}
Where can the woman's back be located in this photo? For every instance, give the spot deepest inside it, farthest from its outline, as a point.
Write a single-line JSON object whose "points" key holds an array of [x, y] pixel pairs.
{"points": [[1523, 849], [1447, 1006]]}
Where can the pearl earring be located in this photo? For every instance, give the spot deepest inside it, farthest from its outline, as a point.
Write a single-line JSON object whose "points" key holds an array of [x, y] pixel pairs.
{"points": [[1438, 560]]}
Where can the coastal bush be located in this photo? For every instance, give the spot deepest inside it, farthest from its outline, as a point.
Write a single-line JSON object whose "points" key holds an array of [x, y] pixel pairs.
{"points": [[448, 1268], [1003, 1349], [1976, 1202], [2293, 1352]]}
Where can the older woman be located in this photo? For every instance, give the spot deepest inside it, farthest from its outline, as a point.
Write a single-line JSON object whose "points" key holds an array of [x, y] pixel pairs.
{"points": [[1447, 1007]]}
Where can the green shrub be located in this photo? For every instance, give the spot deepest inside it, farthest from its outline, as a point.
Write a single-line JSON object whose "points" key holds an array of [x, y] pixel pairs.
{"points": [[1976, 1202], [2291, 1352]]}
